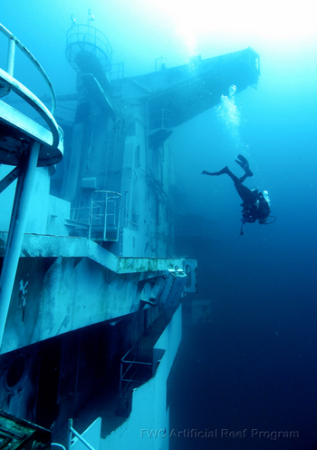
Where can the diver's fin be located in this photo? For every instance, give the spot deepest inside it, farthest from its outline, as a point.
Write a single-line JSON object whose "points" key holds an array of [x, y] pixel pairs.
{"points": [[244, 164], [243, 160], [241, 164], [248, 171]]}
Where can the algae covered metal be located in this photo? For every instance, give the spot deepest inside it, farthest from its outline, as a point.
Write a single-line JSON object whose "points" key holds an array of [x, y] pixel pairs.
{"points": [[96, 289]]}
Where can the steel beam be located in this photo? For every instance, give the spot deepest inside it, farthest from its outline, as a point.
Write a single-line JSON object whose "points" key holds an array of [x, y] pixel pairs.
{"points": [[16, 232]]}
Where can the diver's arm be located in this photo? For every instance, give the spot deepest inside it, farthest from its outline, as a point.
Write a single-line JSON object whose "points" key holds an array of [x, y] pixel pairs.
{"points": [[204, 172]]}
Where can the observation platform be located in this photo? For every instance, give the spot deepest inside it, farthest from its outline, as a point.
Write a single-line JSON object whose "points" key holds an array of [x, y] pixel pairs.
{"points": [[19, 131]]}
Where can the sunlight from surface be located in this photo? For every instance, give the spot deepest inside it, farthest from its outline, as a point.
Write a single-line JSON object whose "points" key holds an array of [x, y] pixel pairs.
{"points": [[272, 20]]}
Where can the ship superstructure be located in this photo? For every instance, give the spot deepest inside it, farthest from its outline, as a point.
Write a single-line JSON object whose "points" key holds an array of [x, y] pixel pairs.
{"points": [[91, 319]]}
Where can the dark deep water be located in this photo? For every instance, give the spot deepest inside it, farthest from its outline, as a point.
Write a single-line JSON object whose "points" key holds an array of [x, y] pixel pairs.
{"points": [[254, 366]]}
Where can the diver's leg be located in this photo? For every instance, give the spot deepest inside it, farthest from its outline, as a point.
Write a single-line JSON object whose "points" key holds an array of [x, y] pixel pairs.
{"points": [[241, 179], [244, 192], [221, 172], [224, 170]]}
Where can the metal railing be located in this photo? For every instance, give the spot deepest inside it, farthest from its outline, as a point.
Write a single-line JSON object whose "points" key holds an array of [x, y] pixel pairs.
{"points": [[26, 166], [100, 220], [8, 83], [81, 214], [87, 39], [13, 42], [104, 215], [71, 432], [133, 373]]}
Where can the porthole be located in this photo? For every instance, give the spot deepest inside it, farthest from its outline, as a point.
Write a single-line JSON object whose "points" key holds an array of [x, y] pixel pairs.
{"points": [[16, 372]]}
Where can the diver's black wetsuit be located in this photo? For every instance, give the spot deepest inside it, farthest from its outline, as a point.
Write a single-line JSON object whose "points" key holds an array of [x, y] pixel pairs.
{"points": [[255, 207]]}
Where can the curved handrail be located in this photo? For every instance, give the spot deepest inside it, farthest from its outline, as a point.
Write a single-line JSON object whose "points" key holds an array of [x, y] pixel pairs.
{"points": [[87, 30], [9, 35], [33, 101], [88, 35]]}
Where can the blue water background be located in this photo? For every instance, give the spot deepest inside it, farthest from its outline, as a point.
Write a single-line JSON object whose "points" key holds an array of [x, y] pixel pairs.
{"points": [[255, 365]]}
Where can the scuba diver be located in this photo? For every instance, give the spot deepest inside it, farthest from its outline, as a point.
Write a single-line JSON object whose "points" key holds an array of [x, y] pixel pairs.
{"points": [[255, 204]]}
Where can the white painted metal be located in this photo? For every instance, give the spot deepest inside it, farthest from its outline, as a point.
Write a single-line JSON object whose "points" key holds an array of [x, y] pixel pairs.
{"points": [[38, 245], [52, 150], [38, 66], [29, 97], [16, 232], [11, 54]]}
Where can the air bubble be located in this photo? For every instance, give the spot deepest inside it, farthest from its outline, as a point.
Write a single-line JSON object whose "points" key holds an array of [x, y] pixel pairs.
{"points": [[232, 90]]}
